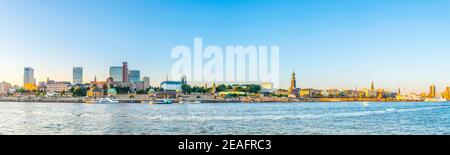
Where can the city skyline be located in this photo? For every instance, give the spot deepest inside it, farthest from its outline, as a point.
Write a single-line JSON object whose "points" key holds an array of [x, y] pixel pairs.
{"points": [[134, 76], [329, 44]]}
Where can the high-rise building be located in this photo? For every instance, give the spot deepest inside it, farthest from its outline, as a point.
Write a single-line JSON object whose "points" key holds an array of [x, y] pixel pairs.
{"points": [[29, 82], [432, 91], [183, 79], [134, 76], [146, 82], [447, 93], [115, 72], [77, 75], [125, 72]]}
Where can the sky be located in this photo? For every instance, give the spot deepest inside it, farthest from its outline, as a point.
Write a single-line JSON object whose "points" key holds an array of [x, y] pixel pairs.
{"points": [[329, 43]]}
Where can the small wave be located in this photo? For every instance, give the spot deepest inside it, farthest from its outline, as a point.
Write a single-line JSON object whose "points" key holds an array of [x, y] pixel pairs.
{"points": [[280, 117], [388, 110]]}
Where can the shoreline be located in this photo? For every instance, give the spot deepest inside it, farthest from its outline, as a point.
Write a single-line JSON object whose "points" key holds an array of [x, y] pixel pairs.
{"points": [[206, 101]]}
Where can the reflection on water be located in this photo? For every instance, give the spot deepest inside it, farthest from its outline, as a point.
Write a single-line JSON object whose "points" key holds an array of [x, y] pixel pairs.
{"points": [[258, 118]]}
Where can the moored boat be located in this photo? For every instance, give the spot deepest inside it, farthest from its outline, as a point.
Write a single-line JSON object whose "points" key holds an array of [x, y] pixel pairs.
{"points": [[103, 101], [162, 101]]}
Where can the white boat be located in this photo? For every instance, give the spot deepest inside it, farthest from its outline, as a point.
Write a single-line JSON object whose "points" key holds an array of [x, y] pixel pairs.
{"points": [[189, 102], [104, 101], [163, 101], [435, 100]]}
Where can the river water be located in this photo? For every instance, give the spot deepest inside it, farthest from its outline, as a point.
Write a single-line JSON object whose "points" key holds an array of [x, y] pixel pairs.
{"points": [[355, 118]]}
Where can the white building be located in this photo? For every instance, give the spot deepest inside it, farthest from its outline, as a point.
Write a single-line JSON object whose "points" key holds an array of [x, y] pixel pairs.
{"points": [[171, 85], [267, 87]]}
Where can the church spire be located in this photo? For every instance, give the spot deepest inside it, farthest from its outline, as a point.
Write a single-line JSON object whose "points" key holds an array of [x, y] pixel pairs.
{"points": [[213, 88], [372, 87]]}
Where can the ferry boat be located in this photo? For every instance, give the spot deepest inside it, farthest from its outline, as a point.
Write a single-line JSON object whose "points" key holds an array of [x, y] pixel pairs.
{"points": [[189, 102], [104, 101], [163, 101], [435, 100]]}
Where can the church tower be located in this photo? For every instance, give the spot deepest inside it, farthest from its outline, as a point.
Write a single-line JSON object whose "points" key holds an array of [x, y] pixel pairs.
{"points": [[372, 87], [293, 83], [213, 88]]}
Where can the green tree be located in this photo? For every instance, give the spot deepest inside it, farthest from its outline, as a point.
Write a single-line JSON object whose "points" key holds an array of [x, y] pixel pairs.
{"points": [[186, 89], [121, 90], [141, 91], [221, 88], [79, 91], [253, 88], [20, 90]]}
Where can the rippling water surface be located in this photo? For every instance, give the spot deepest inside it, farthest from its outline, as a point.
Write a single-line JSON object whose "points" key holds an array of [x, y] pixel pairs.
{"points": [[227, 118]]}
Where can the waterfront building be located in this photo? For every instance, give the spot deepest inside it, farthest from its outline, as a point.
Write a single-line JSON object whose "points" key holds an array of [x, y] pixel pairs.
{"points": [[171, 85], [42, 86], [134, 76], [432, 93], [138, 85], [99, 84], [310, 93], [58, 86], [424, 95], [380, 94], [29, 82], [115, 72], [124, 72], [351, 93], [390, 94], [369, 93], [5, 88], [361, 94], [95, 92], [324, 93], [146, 82], [77, 74], [267, 87], [335, 93]]}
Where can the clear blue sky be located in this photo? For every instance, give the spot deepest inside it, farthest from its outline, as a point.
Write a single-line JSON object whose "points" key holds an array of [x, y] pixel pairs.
{"points": [[330, 44]]}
